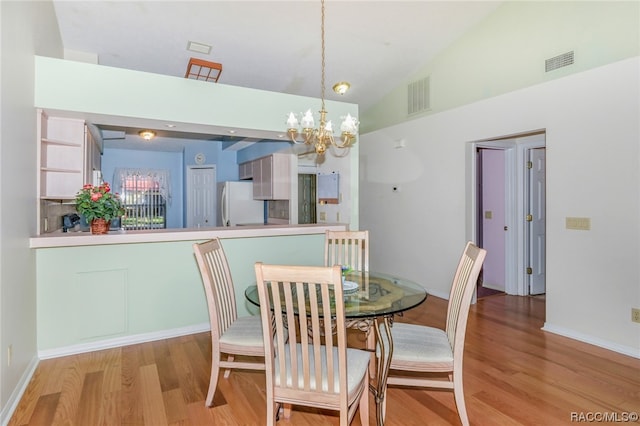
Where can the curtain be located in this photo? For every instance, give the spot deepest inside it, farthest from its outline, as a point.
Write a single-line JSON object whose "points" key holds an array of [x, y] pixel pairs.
{"points": [[136, 180]]}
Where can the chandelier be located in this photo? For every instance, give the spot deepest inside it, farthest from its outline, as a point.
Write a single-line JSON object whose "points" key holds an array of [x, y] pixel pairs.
{"points": [[322, 137]]}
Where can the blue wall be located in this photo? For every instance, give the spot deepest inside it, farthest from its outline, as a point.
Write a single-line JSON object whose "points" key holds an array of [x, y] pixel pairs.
{"points": [[226, 162], [176, 163], [172, 161], [260, 149]]}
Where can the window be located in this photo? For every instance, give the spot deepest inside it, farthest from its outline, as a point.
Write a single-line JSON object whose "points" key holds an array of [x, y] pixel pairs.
{"points": [[145, 195]]}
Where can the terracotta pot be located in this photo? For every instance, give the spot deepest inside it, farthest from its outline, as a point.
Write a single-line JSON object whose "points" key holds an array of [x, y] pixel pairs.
{"points": [[100, 226]]}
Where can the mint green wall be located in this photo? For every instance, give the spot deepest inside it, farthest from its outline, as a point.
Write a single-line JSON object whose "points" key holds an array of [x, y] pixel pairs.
{"points": [[507, 51], [77, 86], [94, 293]]}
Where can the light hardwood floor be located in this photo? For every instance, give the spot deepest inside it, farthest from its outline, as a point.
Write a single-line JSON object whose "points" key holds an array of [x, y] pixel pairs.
{"points": [[515, 374]]}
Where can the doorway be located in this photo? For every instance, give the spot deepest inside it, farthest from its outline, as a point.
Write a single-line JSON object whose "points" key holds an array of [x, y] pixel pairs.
{"points": [[307, 198], [201, 196], [507, 197]]}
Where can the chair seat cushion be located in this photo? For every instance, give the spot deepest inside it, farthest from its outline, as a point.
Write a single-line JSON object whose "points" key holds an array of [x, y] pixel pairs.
{"points": [[418, 343], [357, 368], [245, 331]]}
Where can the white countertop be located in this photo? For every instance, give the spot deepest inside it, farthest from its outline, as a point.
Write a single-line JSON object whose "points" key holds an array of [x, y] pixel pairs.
{"points": [[76, 239]]}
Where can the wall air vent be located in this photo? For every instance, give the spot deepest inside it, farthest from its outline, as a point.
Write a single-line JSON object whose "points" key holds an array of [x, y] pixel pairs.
{"points": [[419, 94], [558, 61]]}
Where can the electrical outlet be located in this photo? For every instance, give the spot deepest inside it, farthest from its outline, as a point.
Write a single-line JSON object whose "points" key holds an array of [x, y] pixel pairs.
{"points": [[323, 215], [338, 217], [635, 314], [9, 355]]}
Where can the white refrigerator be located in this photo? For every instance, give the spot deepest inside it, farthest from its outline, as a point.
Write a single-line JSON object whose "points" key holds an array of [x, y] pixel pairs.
{"points": [[237, 206]]}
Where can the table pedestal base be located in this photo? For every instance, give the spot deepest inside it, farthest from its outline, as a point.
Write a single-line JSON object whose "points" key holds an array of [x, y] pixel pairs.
{"points": [[384, 353]]}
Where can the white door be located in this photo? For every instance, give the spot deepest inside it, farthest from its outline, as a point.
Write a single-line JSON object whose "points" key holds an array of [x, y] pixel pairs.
{"points": [[494, 229], [536, 221], [201, 197]]}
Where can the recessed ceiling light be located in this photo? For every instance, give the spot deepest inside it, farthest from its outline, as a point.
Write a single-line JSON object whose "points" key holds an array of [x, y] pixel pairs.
{"points": [[341, 88], [171, 126], [147, 135], [199, 47], [232, 131]]}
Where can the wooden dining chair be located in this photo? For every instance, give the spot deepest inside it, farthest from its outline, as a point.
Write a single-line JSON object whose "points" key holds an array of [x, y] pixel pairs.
{"points": [[422, 349], [309, 369], [230, 335], [347, 248]]}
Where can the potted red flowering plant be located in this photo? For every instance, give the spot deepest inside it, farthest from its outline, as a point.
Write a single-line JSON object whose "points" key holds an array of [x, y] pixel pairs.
{"points": [[98, 205]]}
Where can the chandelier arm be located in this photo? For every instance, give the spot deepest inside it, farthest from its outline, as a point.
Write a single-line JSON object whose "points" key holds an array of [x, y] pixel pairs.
{"points": [[293, 136], [345, 141]]}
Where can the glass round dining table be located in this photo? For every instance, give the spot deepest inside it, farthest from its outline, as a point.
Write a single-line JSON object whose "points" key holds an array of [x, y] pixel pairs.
{"points": [[371, 299]]}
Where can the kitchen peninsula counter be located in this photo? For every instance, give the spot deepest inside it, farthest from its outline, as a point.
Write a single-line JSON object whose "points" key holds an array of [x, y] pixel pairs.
{"points": [[100, 291], [77, 239]]}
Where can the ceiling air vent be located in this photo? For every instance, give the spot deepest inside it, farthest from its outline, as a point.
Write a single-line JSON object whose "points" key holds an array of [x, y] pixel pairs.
{"points": [[558, 61], [419, 96]]}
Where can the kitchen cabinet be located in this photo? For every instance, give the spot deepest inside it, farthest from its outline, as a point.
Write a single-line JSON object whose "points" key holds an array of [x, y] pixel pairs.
{"points": [[68, 156], [272, 177], [246, 170]]}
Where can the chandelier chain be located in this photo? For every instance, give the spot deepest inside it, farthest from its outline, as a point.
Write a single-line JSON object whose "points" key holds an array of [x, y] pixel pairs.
{"points": [[323, 74]]}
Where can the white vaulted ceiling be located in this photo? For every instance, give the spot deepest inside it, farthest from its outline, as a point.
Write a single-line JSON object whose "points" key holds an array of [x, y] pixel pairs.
{"points": [[273, 45]]}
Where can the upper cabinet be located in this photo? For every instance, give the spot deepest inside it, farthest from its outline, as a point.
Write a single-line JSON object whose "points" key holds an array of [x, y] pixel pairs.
{"points": [[68, 155], [246, 170], [272, 177]]}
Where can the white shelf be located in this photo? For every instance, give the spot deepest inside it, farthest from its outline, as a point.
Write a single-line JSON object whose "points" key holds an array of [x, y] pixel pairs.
{"points": [[61, 143], [61, 157], [58, 170]]}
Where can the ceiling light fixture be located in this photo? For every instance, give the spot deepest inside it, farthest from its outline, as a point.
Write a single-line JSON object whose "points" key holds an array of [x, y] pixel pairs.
{"points": [[147, 135], [322, 137], [199, 69], [341, 88]]}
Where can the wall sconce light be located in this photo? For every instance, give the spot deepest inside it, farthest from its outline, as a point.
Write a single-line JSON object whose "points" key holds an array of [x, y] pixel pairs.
{"points": [[147, 135]]}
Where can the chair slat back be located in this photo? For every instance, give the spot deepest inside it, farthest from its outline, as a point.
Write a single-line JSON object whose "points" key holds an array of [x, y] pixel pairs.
{"points": [[464, 283], [348, 248], [218, 285], [304, 304]]}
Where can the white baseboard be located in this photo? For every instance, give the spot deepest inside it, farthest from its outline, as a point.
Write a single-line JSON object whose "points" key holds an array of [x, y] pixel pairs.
{"points": [[491, 286], [572, 334], [18, 391], [123, 341], [439, 294]]}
